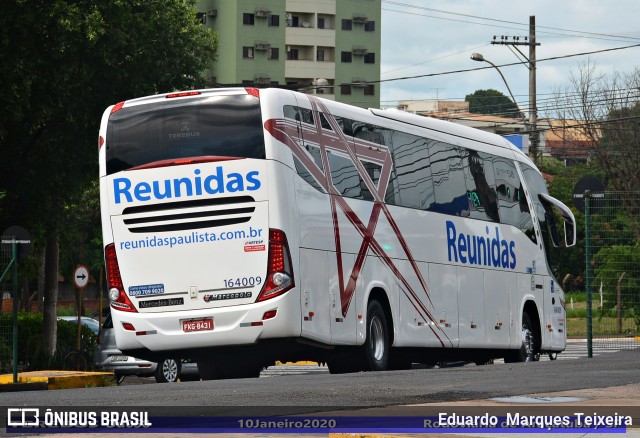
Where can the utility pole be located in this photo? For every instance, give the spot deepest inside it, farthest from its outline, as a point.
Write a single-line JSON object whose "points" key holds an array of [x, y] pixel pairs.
{"points": [[531, 65], [533, 108]]}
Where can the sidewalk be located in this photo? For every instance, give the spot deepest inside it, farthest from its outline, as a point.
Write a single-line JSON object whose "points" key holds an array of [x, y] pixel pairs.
{"points": [[50, 379]]}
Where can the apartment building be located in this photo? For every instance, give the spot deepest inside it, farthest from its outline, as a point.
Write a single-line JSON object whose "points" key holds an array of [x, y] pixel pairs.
{"points": [[326, 47]]}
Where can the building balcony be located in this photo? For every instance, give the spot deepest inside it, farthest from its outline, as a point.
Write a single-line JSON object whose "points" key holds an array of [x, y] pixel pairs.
{"points": [[310, 69], [310, 36]]}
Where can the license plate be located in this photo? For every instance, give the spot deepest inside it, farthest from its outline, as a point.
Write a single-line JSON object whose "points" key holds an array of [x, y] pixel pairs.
{"points": [[119, 358], [197, 325]]}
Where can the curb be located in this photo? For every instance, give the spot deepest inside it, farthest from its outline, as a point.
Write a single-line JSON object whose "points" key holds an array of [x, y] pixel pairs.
{"points": [[41, 380]]}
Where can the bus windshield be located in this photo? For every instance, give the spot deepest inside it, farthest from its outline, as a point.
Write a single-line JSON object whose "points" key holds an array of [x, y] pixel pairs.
{"points": [[213, 126]]}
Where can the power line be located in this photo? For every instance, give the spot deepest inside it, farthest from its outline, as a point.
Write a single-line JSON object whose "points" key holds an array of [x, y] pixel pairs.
{"points": [[553, 58], [582, 33], [435, 59]]}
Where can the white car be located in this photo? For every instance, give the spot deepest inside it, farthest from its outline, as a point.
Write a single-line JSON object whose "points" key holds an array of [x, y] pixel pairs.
{"points": [[107, 357], [84, 320]]}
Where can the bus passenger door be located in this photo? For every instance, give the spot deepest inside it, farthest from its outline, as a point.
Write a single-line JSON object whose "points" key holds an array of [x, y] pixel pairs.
{"points": [[554, 328]]}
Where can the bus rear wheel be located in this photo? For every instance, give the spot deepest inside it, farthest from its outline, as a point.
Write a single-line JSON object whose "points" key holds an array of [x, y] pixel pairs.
{"points": [[528, 351], [376, 345]]}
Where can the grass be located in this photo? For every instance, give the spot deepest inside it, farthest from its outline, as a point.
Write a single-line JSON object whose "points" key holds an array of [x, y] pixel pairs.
{"points": [[604, 322], [577, 327]]}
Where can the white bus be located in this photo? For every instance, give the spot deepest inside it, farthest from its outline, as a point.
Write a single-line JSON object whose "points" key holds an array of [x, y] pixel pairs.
{"points": [[245, 226]]}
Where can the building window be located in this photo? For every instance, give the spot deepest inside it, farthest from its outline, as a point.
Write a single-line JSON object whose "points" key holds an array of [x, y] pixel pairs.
{"points": [[370, 26], [320, 22], [347, 24], [345, 90], [248, 19], [370, 58], [320, 55], [274, 20], [346, 57], [369, 90], [292, 54], [274, 53], [247, 52]]}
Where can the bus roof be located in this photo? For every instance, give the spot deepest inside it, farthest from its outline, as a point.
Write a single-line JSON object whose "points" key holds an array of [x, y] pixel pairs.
{"points": [[449, 128]]}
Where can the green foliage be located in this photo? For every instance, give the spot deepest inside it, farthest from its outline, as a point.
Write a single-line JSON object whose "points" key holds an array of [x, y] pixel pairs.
{"points": [[31, 352], [611, 263], [618, 147], [560, 181], [64, 62], [492, 102]]}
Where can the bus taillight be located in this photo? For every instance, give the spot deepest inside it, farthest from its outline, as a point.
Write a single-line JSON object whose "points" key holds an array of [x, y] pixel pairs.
{"points": [[279, 271], [117, 296], [183, 94], [253, 91], [117, 107]]}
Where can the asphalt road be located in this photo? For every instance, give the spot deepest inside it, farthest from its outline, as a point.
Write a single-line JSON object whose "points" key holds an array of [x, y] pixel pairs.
{"points": [[392, 388]]}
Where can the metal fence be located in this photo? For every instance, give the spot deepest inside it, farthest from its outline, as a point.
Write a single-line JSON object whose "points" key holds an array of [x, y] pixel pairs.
{"points": [[8, 282], [612, 248]]}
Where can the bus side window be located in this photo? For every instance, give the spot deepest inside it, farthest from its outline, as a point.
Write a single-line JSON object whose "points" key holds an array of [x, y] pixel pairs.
{"points": [[512, 203], [324, 122], [448, 180], [345, 176], [373, 171], [481, 190], [411, 178]]}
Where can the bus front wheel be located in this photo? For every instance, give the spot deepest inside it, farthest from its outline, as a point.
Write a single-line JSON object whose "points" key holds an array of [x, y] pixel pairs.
{"points": [[376, 346], [528, 351]]}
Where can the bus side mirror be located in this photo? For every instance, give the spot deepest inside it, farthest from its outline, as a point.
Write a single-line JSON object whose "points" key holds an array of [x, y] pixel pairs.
{"points": [[567, 216]]}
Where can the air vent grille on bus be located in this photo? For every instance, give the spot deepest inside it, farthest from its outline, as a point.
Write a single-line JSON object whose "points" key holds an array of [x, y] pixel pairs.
{"points": [[188, 215]]}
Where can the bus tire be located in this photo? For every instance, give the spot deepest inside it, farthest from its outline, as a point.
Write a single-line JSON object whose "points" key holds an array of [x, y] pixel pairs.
{"points": [[528, 351], [376, 344], [167, 370]]}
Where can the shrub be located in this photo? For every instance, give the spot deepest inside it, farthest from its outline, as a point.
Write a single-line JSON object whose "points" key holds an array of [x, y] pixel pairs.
{"points": [[31, 352]]}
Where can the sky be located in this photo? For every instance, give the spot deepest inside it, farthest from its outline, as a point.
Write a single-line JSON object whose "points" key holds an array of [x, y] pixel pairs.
{"points": [[439, 36]]}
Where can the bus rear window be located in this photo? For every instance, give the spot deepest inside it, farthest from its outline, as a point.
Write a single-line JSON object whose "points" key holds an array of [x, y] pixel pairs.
{"points": [[229, 126]]}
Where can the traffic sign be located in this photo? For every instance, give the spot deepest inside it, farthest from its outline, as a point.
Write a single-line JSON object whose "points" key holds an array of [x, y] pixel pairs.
{"points": [[20, 236], [81, 276], [587, 183]]}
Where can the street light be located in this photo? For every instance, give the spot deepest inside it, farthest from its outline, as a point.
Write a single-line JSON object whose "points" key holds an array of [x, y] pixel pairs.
{"points": [[532, 133], [478, 57]]}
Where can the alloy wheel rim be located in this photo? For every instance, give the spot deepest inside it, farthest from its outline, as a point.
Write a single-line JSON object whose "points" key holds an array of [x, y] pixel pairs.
{"points": [[170, 370], [377, 338]]}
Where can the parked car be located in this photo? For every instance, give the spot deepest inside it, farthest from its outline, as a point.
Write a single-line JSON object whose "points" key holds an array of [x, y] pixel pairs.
{"points": [[84, 320], [107, 357]]}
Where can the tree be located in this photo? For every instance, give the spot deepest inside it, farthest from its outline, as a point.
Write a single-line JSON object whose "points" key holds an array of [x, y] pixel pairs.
{"points": [[608, 113], [617, 270], [64, 62], [492, 102]]}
